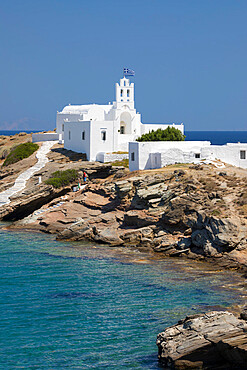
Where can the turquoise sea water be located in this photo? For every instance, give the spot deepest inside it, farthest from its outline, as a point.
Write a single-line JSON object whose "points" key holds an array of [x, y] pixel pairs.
{"points": [[79, 306]]}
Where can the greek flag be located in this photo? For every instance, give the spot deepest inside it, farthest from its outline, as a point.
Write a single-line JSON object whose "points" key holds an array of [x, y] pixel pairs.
{"points": [[128, 72]]}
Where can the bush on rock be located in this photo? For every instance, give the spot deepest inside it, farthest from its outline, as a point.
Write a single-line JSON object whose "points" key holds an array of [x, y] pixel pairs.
{"points": [[62, 178], [169, 134], [20, 152]]}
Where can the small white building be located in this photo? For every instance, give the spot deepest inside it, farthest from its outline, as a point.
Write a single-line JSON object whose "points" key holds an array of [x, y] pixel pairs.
{"points": [[157, 154], [97, 129]]}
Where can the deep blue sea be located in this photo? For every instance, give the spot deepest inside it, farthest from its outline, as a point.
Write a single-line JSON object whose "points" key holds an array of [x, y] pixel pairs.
{"points": [[80, 306], [216, 137], [13, 132]]}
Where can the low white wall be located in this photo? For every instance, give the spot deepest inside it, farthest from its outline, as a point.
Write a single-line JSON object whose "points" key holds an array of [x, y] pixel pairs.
{"points": [[111, 157], [49, 136], [229, 153], [141, 152], [149, 155]]}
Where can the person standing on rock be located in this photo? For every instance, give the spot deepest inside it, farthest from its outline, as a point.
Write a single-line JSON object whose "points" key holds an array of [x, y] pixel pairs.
{"points": [[84, 177]]}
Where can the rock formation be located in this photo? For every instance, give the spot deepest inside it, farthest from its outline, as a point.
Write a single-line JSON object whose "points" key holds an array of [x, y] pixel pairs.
{"points": [[195, 211], [214, 340]]}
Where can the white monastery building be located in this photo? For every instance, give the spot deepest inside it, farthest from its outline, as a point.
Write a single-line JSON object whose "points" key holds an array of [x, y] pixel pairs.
{"points": [[99, 129], [102, 131]]}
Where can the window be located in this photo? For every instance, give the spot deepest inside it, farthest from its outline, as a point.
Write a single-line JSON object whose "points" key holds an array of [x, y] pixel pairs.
{"points": [[63, 127], [197, 155], [133, 156], [103, 135], [121, 92], [69, 135], [128, 93], [83, 135], [242, 154], [121, 129]]}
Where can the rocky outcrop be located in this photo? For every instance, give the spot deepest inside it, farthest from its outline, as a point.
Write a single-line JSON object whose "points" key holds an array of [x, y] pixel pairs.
{"points": [[31, 199], [197, 213], [214, 340]]}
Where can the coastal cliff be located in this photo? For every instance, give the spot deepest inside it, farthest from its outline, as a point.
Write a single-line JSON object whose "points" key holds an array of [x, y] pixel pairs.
{"points": [[197, 212]]}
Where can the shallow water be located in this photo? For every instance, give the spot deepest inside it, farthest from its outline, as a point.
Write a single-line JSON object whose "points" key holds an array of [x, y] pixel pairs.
{"points": [[79, 306]]}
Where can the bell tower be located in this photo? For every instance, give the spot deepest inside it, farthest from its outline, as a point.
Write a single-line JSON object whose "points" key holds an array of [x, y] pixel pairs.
{"points": [[125, 93]]}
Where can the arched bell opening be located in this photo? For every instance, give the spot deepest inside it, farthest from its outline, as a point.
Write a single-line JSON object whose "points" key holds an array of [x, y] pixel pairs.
{"points": [[125, 123]]}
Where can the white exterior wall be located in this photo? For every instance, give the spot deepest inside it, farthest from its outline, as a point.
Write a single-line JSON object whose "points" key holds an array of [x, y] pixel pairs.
{"points": [[149, 155], [75, 141], [49, 136], [134, 163], [175, 155], [111, 157], [229, 153], [97, 144], [166, 152], [123, 141], [63, 119]]}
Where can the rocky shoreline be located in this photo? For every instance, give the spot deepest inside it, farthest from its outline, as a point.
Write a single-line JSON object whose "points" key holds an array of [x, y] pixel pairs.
{"points": [[197, 212], [214, 340]]}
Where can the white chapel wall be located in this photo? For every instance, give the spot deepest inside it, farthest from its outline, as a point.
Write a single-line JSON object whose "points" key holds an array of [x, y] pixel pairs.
{"points": [[102, 139], [63, 119], [75, 140]]}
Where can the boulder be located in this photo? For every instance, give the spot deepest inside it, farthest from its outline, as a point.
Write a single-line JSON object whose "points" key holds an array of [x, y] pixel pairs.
{"points": [[214, 340], [107, 235], [123, 188], [243, 314], [184, 243], [139, 218], [217, 235]]}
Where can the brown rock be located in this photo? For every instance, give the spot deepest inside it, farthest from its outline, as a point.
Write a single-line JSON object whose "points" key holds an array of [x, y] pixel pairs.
{"points": [[139, 218], [216, 339], [108, 236]]}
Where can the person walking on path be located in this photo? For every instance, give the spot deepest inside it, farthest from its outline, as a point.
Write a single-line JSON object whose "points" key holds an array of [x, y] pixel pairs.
{"points": [[84, 177]]}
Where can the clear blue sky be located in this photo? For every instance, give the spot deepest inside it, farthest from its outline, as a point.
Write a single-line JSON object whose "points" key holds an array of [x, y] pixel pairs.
{"points": [[190, 58]]}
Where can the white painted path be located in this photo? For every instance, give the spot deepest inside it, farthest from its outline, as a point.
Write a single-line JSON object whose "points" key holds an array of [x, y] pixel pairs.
{"points": [[20, 182]]}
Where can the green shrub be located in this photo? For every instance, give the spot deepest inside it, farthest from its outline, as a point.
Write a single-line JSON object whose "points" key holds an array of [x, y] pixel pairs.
{"points": [[62, 178], [20, 152], [169, 134]]}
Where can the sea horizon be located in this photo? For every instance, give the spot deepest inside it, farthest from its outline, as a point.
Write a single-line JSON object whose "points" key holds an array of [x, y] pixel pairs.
{"points": [[216, 137]]}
